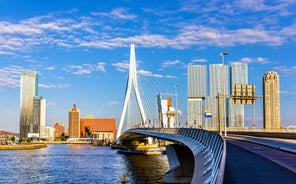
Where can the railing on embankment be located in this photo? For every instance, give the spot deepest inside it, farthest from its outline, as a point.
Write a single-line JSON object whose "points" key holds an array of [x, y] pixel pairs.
{"points": [[207, 152]]}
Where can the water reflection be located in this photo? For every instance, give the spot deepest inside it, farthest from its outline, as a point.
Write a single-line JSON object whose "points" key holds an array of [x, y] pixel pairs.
{"points": [[79, 164], [147, 168]]}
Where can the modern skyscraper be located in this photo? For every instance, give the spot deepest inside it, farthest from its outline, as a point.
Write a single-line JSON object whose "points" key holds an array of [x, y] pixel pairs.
{"points": [[39, 116], [74, 122], [28, 89], [239, 75], [196, 94], [271, 100], [218, 84]]}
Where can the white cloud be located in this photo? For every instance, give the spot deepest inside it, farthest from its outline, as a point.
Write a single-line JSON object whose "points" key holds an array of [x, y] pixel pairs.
{"points": [[54, 85], [101, 67], [22, 29], [89, 32], [50, 26], [171, 76], [85, 68], [50, 68], [169, 63], [286, 70], [148, 73], [199, 60], [82, 71], [117, 13], [122, 13], [10, 76], [111, 103], [260, 60], [121, 66], [50, 104]]}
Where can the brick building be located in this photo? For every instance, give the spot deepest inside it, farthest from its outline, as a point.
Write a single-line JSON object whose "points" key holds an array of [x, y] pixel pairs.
{"points": [[101, 128], [59, 129]]}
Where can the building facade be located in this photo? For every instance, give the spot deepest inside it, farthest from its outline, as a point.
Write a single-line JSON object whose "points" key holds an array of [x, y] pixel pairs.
{"points": [[218, 83], [74, 122], [197, 90], [49, 132], [238, 75], [39, 116], [99, 128], [167, 113], [28, 89], [59, 129], [271, 101]]}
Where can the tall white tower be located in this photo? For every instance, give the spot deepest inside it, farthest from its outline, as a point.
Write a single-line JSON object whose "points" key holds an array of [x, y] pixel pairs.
{"points": [[132, 83]]}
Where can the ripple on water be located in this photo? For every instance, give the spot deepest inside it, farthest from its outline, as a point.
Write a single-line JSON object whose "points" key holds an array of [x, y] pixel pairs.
{"points": [[79, 164]]}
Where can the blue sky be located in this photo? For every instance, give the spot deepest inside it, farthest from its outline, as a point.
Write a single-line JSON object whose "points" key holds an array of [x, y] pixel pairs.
{"points": [[81, 49]]}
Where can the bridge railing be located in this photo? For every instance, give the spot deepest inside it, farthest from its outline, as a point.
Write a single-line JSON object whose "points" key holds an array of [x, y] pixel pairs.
{"points": [[208, 148]]}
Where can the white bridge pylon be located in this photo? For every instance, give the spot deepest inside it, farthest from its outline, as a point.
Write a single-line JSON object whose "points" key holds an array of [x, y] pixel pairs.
{"points": [[132, 83]]}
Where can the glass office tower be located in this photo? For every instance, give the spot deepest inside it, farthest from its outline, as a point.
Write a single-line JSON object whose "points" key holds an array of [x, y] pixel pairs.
{"points": [[196, 95], [28, 89], [218, 84], [239, 75]]}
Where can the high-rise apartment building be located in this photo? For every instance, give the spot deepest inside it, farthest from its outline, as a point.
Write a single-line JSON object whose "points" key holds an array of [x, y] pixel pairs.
{"points": [[28, 89], [74, 122], [39, 116], [238, 75], [218, 77], [271, 100], [196, 94]]}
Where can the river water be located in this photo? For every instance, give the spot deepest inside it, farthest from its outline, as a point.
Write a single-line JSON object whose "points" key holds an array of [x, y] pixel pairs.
{"points": [[80, 164]]}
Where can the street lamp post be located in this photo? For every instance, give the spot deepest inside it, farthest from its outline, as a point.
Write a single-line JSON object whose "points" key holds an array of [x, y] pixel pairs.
{"points": [[176, 94], [223, 91]]}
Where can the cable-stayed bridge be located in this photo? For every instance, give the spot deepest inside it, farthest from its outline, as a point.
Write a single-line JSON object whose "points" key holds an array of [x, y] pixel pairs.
{"points": [[143, 99], [201, 156]]}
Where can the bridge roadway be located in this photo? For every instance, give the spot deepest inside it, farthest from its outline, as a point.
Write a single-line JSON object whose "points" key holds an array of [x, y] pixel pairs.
{"points": [[198, 156], [248, 162]]}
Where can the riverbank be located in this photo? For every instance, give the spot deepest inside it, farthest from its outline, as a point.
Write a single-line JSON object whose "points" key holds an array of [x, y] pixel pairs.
{"points": [[22, 146]]}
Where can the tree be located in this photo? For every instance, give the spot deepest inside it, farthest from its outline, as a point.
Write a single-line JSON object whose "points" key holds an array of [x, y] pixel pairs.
{"points": [[12, 139], [28, 140]]}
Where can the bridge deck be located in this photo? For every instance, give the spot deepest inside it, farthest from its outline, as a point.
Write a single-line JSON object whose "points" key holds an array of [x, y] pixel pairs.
{"points": [[251, 163]]}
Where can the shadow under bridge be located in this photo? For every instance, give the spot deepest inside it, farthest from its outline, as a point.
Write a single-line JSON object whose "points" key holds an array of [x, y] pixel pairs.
{"points": [[197, 156]]}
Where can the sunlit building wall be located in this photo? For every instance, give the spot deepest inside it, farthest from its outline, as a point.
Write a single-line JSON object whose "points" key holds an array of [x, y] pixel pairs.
{"points": [[218, 83], [59, 129], [196, 94], [271, 101], [99, 128], [74, 122], [167, 113], [49, 132], [28, 89], [238, 75], [39, 116]]}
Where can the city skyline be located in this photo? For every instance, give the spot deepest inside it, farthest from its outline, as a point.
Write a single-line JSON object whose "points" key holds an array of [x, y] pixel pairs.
{"points": [[81, 51]]}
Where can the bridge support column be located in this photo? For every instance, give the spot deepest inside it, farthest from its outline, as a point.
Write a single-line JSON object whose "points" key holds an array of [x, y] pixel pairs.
{"points": [[181, 161]]}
